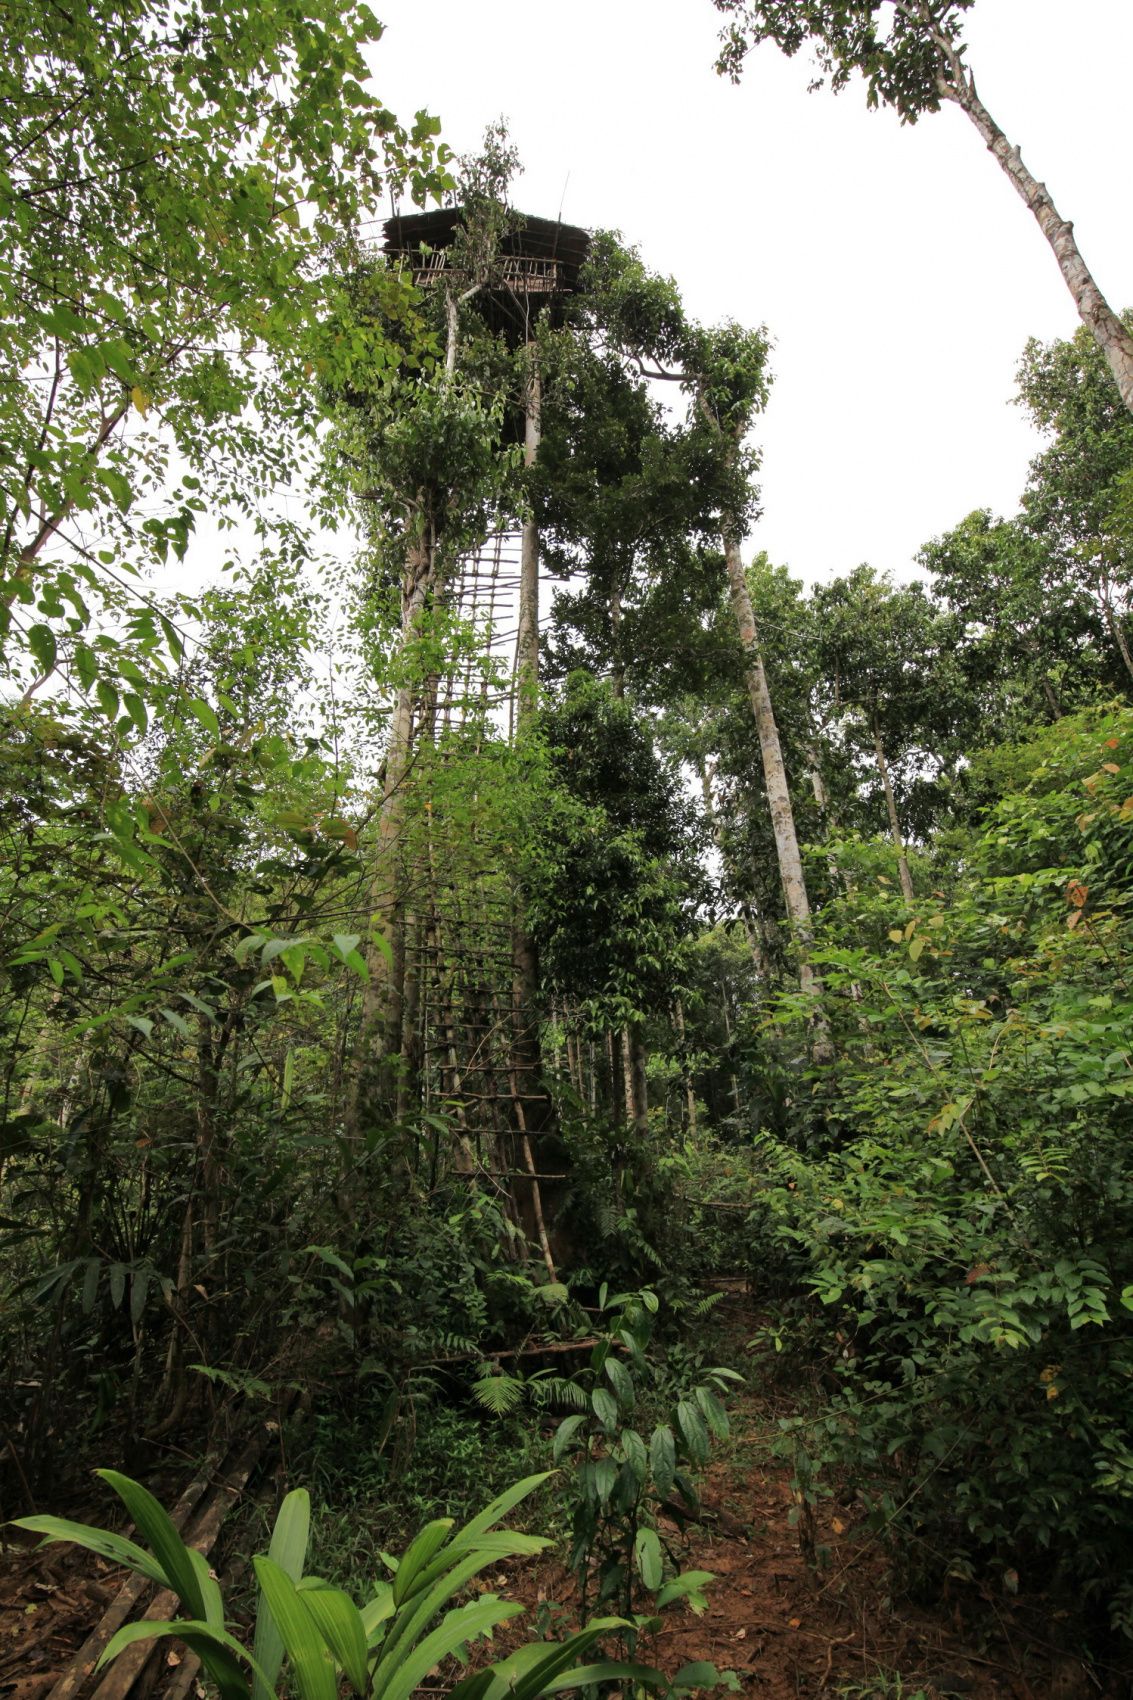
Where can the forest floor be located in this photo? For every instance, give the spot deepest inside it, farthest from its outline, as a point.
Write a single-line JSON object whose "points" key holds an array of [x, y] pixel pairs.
{"points": [[793, 1630], [788, 1629]]}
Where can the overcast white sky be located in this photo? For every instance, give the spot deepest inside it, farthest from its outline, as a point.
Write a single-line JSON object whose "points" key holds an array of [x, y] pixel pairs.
{"points": [[896, 269]]}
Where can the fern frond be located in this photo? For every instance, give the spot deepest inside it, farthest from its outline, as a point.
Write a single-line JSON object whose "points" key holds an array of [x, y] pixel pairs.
{"points": [[500, 1393], [704, 1305], [559, 1390]]}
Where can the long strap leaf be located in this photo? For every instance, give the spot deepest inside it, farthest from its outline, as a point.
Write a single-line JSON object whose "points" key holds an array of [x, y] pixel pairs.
{"points": [[500, 1507], [114, 1547], [154, 1523], [310, 1665], [220, 1653], [417, 1556], [454, 1628], [339, 1622], [288, 1549]]}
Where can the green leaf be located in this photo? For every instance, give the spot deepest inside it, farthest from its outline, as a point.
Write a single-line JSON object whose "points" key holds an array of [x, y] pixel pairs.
{"points": [[689, 1585], [697, 1674], [41, 642], [339, 1622], [210, 1588], [154, 1524], [136, 709], [454, 1629], [647, 1557], [663, 1459], [620, 1381], [633, 1449], [172, 640], [627, 1675], [499, 1507], [303, 1644], [714, 1413], [418, 1555], [85, 664], [566, 1432], [605, 1409], [204, 714], [116, 1548], [695, 1434], [219, 1652]]}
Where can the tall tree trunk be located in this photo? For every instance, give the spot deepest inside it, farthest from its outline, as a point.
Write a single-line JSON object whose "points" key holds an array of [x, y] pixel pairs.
{"points": [[527, 634], [689, 1083], [894, 823], [617, 674], [534, 1111], [633, 1068], [778, 797], [373, 1089], [1094, 310], [1114, 623], [728, 1038]]}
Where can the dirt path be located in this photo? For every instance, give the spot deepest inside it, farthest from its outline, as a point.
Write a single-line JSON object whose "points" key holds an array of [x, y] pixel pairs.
{"points": [[795, 1630]]}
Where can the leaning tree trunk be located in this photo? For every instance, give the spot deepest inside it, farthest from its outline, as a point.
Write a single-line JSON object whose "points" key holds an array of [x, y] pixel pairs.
{"points": [[895, 833], [778, 796], [1094, 310]]}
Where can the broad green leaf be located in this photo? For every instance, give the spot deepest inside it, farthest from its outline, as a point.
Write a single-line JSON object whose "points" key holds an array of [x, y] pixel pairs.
{"points": [[621, 1383], [499, 1507], [418, 1555], [628, 1676], [697, 1674], [691, 1425], [633, 1449], [663, 1459], [288, 1549], [714, 1413], [566, 1432], [204, 714], [647, 1556], [689, 1585], [41, 642], [210, 1588], [605, 1409], [136, 709], [339, 1622], [310, 1666]]}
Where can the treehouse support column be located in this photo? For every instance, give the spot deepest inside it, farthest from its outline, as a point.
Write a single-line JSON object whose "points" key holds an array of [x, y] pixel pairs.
{"points": [[538, 1149], [374, 1086]]}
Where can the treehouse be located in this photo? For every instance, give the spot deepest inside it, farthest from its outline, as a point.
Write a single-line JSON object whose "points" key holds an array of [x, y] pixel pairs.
{"points": [[537, 266]]}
